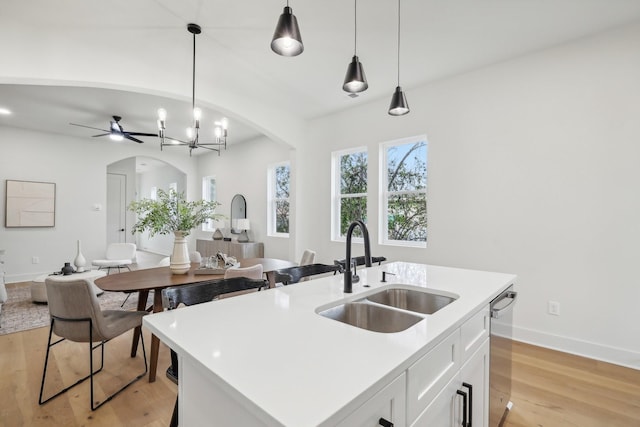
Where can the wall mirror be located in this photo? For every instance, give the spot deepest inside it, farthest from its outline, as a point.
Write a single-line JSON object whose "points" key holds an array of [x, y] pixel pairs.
{"points": [[238, 211]]}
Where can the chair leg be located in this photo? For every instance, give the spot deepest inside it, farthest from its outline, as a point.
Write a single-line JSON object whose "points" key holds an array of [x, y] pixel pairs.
{"points": [[174, 416], [91, 371], [125, 300], [46, 362]]}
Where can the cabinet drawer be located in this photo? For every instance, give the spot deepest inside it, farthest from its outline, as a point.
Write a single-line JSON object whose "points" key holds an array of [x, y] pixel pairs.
{"points": [[388, 403], [473, 332], [427, 377]]}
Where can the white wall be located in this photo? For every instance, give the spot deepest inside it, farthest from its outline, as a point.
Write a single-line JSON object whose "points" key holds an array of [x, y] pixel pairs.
{"points": [[242, 169], [533, 170], [78, 166]]}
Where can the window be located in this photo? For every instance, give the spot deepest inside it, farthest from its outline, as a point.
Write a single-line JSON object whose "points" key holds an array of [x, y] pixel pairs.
{"points": [[209, 195], [278, 182], [403, 186], [154, 193], [349, 191]]}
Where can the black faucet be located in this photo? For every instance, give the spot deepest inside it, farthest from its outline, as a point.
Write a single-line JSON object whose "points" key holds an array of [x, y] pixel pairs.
{"points": [[367, 253]]}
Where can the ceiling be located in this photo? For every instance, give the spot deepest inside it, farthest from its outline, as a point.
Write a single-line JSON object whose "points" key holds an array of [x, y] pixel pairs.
{"points": [[104, 38]]}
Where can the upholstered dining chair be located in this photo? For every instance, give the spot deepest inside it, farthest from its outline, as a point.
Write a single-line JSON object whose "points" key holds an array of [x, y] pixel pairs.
{"points": [[119, 255], [76, 316], [308, 256], [253, 272], [198, 293], [290, 275]]}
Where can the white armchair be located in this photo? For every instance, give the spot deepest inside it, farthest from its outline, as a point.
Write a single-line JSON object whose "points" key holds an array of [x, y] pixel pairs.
{"points": [[119, 255]]}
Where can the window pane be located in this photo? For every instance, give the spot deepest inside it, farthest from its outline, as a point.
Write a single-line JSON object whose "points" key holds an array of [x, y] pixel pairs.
{"points": [[282, 216], [211, 193], [352, 208], [407, 167], [282, 182], [407, 217], [353, 173]]}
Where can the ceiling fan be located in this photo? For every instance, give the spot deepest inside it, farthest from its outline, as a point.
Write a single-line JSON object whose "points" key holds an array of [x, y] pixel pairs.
{"points": [[116, 132]]}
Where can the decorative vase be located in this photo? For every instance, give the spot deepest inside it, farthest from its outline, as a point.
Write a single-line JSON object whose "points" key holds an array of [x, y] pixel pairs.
{"points": [[79, 261], [67, 269], [180, 262]]}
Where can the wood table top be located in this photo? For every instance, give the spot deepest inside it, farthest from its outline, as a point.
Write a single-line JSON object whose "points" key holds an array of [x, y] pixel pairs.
{"points": [[151, 278]]}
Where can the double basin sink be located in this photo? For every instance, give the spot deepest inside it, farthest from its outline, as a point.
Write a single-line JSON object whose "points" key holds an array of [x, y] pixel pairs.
{"points": [[389, 310]]}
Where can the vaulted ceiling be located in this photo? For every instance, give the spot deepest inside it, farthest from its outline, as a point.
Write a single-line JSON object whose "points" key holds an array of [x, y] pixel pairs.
{"points": [[83, 61]]}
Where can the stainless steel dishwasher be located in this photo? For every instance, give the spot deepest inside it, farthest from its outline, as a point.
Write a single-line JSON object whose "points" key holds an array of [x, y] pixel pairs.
{"points": [[501, 356]]}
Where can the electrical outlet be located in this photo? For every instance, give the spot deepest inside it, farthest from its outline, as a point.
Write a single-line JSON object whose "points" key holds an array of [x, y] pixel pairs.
{"points": [[554, 308], [35, 260]]}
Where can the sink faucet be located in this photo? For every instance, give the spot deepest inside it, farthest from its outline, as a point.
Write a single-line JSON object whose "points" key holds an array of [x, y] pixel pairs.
{"points": [[348, 279]]}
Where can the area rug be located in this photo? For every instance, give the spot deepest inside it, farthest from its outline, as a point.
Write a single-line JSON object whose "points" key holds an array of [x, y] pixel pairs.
{"points": [[19, 313]]}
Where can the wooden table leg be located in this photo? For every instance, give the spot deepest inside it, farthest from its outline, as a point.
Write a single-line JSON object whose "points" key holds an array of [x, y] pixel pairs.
{"points": [[142, 302], [155, 341]]}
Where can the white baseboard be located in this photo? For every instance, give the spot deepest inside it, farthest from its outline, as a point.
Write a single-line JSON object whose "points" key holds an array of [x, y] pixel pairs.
{"points": [[617, 356]]}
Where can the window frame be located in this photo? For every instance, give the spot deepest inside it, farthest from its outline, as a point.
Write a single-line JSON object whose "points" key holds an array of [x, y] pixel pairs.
{"points": [[384, 194], [336, 194], [272, 199], [206, 191]]}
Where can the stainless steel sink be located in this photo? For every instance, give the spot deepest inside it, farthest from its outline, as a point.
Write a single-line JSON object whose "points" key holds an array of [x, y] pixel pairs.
{"points": [[411, 300], [371, 317]]}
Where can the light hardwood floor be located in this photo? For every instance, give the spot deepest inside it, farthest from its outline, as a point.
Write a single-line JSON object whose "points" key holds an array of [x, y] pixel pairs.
{"points": [[549, 388]]}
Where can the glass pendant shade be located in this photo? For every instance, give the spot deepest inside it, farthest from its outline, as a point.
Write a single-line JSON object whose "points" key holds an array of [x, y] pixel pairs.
{"points": [[355, 81], [287, 40], [399, 106]]}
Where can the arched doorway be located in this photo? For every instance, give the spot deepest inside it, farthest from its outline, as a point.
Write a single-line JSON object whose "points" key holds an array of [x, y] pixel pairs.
{"points": [[137, 178]]}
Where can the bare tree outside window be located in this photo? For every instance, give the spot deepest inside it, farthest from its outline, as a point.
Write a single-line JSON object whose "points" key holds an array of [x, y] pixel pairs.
{"points": [[406, 195], [283, 178], [353, 190]]}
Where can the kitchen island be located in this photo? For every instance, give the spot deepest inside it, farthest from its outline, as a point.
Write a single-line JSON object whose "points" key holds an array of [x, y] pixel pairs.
{"points": [[268, 358]]}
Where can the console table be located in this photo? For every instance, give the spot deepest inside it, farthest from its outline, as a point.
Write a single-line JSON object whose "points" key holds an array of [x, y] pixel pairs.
{"points": [[237, 250]]}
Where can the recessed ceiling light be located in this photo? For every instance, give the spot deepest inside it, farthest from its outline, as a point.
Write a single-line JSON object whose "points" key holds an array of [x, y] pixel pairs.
{"points": [[5, 111]]}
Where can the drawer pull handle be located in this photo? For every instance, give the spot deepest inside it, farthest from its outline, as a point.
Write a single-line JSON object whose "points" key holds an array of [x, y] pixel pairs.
{"points": [[470, 387], [464, 407], [385, 423]]}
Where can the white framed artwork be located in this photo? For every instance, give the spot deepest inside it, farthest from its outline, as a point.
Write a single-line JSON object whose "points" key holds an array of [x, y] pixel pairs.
{"points": [[30, 204]]}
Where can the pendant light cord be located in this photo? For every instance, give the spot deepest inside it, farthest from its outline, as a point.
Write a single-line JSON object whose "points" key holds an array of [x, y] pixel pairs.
{"points": [[193, 76], [355, 27], [398, 42]]}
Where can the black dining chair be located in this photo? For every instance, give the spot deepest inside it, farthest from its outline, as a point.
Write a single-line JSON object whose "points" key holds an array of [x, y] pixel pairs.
{"points": [[198, 293], [291, 275]]}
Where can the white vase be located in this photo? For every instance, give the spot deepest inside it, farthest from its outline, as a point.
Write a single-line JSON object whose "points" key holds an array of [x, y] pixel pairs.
{"points": [[180, 262], [79, 261]]}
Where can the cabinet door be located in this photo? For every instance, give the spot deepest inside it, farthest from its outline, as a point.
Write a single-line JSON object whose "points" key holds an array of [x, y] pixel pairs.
{"points": [[388, 403], [476, 374], [441, 411]]}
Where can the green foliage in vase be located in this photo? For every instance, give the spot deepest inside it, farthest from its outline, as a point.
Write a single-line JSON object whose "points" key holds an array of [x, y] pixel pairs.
{"points": [[171, 212]]}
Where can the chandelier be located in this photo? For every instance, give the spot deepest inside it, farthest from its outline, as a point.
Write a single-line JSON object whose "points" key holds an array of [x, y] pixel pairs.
{"points": [[218, 140]]}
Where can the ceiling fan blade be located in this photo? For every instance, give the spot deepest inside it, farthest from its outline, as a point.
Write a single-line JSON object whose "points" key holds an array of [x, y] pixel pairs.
{"points": [[141, 133], [128, 136], [88, 127], [102, 134]]}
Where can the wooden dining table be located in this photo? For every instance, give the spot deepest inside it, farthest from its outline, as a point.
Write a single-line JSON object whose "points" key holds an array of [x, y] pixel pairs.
{"points": [[158, 278], [143, 281]]}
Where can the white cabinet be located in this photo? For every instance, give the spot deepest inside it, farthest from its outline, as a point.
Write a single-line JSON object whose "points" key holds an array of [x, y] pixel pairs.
{"points": [[388, 404], [458, 366]]}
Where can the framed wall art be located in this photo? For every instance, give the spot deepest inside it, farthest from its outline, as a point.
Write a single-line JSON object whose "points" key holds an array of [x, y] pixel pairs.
{"points": [[30, 204]]}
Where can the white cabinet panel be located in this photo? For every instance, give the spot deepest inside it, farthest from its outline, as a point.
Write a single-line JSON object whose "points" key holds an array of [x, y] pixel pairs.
{"points": [[388, 403]]}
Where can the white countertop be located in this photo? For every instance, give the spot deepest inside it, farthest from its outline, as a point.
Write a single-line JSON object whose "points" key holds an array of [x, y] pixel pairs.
{"points": [[297, 368]]}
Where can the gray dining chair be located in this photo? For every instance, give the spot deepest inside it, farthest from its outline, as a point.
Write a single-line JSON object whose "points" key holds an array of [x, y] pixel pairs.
{"points": [[290, 275], [76, 316]]}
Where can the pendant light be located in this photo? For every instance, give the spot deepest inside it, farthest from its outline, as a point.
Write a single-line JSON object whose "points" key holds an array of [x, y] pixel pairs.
{"points": [[355, 81], [287, 40], [398, 106]]}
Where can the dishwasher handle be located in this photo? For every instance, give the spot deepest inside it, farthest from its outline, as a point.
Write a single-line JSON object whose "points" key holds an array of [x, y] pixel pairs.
{"points": [[497, 313]]}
